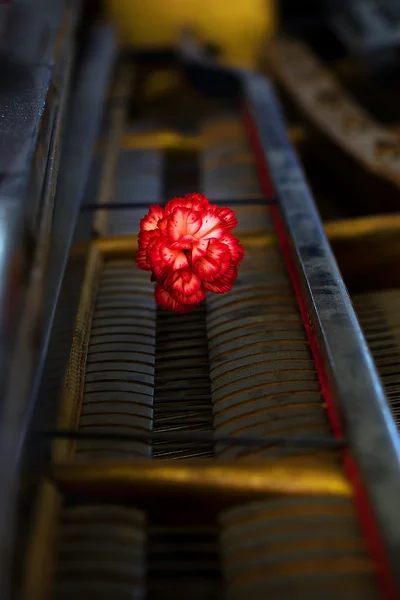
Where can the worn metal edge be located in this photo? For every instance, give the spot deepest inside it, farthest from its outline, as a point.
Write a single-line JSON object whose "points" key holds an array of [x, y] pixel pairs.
{"points": [[358, 392], [71, 398], [33, 334], [83, 125]]}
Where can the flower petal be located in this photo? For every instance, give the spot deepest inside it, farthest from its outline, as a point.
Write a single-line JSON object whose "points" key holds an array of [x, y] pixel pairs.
{"points": [[184, 282], [183, 224], [145, 237], [189, 249], [195, 298], [194, 201], [199, 249], [162, 256], [165, 300], [198, 201], [150, 221], [211, 227], [227, 216], [176, 259], [236, 249], [162, 225], [213, 263], [224, 283], [141, 260]]}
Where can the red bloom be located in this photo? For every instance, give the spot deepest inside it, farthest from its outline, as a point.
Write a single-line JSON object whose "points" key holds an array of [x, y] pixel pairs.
{"points": [[189, 249]]}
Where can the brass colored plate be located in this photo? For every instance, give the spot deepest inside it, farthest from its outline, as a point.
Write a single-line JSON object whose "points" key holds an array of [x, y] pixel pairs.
{"points": [[143, 480]]}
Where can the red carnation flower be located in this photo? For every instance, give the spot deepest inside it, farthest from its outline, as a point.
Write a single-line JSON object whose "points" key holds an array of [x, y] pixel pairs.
{"points": [[189, 249]]}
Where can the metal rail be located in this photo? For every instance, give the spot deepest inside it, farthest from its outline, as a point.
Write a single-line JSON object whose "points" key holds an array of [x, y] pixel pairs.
{"points": [[352, 376], [57, 227], [35, 88]]}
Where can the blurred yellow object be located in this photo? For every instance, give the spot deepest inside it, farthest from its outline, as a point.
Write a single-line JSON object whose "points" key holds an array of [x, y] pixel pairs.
{"points": [[237, 27], [159, 82]]}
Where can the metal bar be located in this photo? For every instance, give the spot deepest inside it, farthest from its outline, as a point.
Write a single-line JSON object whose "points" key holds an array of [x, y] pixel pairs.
{"points": [[34, 69], [32, 342], [139, 478], [194, 436], [351, 373], [223, 202], [83, 126]]}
